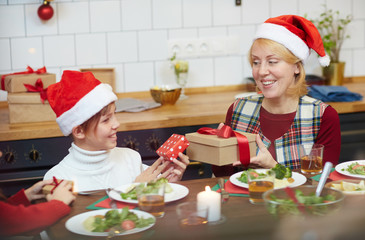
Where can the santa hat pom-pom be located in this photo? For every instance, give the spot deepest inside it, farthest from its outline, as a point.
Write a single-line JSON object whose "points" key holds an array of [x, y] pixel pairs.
{"points": [[324, 61]]}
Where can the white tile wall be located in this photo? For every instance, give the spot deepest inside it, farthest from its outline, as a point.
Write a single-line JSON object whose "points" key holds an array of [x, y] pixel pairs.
{"points": [[131, 36]]}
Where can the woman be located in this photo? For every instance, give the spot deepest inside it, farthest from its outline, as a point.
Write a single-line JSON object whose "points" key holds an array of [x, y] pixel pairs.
{"points": [[283, 116]]}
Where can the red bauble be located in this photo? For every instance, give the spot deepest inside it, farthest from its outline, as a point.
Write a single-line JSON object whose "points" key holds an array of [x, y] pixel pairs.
{"points": [[45, 11]]}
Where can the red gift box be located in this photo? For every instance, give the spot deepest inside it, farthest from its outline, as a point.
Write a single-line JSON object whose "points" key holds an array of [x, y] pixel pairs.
{"points": [[171, 148]]}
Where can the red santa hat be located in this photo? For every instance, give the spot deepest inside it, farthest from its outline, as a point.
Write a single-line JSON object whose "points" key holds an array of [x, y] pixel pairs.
{"points": [[78, 97], [296, 33]]}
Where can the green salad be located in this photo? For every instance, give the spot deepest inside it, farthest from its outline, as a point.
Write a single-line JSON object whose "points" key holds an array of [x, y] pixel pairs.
{"points": [[131, 194], [355, 168], [280, 171], [312, 204], [123, 220]]}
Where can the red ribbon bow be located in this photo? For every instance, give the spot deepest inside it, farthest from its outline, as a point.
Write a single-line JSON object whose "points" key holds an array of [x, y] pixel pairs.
{"points": [[28, 71], [55, 183], [38, 87], [227, 132]]}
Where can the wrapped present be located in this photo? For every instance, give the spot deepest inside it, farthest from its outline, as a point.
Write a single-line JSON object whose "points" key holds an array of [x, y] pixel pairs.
{"points": [[49, 188], [171, 148], [15, 82], [220, 151], [28, 107]]}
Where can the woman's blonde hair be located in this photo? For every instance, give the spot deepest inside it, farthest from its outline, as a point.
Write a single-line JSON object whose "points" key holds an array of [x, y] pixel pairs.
{"points": [[300, 87]]}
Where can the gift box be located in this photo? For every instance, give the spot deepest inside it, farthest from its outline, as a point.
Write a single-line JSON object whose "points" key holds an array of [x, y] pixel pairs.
{"points": [[104, 75], [15, 83], [171, 148], [49, 188], [216, 150], [28, 107]]}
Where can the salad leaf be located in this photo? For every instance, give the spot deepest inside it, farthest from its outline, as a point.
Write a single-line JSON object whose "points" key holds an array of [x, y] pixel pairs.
{"points": [[149, 188], [355, 168]]}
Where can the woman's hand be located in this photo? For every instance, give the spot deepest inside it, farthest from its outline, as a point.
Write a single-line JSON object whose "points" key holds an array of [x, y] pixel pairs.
{"points": [[155, 171], [34, 192], [263, 159], [63, 192]]}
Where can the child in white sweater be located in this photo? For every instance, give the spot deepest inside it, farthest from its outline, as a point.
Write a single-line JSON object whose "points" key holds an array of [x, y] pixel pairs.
{"points": [[85, 110]]}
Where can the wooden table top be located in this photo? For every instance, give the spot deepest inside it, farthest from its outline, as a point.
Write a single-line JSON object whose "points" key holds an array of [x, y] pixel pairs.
{"points": [[243, 220], [201, 108]]}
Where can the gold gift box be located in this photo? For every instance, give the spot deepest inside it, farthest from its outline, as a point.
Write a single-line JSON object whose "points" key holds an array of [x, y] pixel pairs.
{"points": [[215, 150], [28, 107], [15, 83], [47, 189]]}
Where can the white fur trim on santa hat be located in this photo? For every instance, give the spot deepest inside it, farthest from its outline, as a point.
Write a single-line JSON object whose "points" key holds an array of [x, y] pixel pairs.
{"points": [[86, 107], [285, 37], [324, 61]]}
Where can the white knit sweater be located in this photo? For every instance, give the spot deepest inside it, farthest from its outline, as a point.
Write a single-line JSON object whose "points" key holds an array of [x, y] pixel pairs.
{"points": [[93, 170]]}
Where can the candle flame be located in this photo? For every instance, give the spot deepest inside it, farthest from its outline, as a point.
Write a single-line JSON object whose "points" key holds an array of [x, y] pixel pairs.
{"points": [[207, 188]]}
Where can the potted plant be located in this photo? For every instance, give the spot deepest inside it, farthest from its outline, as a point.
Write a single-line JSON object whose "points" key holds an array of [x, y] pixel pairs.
{"points": [[333, 31]]}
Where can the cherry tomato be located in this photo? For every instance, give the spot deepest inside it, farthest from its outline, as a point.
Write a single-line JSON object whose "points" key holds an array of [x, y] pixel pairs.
{"points": [[128, 224]]}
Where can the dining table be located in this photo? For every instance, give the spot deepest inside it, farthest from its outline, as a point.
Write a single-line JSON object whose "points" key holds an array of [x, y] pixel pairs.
{"points": [[240, 219]]}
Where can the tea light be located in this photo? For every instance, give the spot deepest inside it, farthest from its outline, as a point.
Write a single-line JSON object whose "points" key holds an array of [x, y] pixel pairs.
{"points": [[212, 200]]}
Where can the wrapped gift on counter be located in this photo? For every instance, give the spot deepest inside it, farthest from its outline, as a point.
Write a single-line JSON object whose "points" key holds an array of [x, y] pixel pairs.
{"points": [[171, 148], [49, 188], [217, 150], [28, 107], [14, 83]]}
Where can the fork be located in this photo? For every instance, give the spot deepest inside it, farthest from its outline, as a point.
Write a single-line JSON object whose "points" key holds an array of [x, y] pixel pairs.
{"points": [[224, 193]]}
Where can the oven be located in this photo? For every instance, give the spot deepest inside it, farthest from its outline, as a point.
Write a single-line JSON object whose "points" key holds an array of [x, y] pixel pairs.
{"points": [[24, 162]]}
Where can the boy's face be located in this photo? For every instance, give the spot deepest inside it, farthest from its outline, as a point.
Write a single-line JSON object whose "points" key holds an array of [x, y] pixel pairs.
{"points": [[105, 135]]}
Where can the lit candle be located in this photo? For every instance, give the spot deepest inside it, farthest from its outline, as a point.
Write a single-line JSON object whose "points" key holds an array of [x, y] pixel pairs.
{"points": [[212, 200]]}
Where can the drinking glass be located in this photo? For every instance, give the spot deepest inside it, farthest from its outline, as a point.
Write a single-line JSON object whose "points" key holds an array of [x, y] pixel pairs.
{"points": [[259, 181], [311, 156], [191, 216], [151, 200]]}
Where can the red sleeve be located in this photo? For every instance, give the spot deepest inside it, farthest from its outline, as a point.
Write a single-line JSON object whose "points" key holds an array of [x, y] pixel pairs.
{"points": [[330, 135], [21, 219], [19, 198]]}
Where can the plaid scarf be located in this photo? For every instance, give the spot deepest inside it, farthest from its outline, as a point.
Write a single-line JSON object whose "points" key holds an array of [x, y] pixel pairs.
{"points": [[304, 129]]}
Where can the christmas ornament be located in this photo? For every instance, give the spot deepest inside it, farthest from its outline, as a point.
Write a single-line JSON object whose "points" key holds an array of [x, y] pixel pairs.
{"points": [[45, 11]]}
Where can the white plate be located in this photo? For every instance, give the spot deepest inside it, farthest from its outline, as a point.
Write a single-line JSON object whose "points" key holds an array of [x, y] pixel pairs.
{"points": [[179, 192], [344, 165], [75, 224], [245, 94], [299, 179]]}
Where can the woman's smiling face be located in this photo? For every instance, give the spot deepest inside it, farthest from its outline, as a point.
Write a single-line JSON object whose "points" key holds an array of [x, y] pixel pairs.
{"points": [[272, 74]]}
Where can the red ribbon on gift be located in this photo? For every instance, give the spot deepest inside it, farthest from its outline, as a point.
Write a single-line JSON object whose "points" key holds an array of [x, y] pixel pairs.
{"points": [[38, 87], [28, 71], [55, 183], [227, 132]]}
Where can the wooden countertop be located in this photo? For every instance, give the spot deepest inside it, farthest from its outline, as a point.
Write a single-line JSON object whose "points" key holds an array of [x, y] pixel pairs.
{"points": [[204, 106]]}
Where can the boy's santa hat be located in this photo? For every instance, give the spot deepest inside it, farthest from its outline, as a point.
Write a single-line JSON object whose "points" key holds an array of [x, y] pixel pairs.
{"points": [[78, 97], [297, 34]]}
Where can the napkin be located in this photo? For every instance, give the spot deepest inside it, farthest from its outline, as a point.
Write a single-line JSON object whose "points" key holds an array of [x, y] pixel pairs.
{"points": [[104, 202], [232, 189], [333, 94], [133, 105]]}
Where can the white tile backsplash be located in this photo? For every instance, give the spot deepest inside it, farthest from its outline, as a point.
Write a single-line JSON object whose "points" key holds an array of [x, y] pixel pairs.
{"points": [[12, 21], [122, 47], [73, 17], [91, 48], [59, 51], [26, 51], [138, 76], [136, 14], [167, 14], [197, 13], [105, 16], [131, 36], [5, 63], [225, 14], [152, 45]]}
